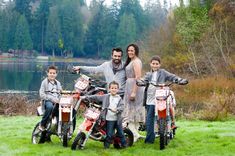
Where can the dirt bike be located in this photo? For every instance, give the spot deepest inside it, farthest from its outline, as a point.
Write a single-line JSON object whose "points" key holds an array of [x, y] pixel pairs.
{"points": [[163, 104], [93, 127], [68, 105]]}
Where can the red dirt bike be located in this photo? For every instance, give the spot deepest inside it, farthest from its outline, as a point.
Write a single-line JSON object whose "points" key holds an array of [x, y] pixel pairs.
{"points": [[94, 127], [68, 105], [163, 104]]}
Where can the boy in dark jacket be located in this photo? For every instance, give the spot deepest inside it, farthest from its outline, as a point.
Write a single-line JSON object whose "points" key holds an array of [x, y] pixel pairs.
{"points": [[156, 76], [112, 106]]}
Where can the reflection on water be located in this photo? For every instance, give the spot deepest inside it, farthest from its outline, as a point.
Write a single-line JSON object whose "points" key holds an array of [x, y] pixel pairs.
{"points": [[26, 77]]}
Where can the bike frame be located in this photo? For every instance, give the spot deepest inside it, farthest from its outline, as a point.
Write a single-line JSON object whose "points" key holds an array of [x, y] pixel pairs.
{"points": [[90, 118]]}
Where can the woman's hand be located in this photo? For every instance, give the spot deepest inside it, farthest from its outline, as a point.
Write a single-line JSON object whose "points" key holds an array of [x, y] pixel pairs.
{"points": [[132, 97]]}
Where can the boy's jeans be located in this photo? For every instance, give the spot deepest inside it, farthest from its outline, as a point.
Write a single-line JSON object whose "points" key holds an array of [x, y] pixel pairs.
{"points": [[48, 110], [150, 124], [110, 127]]}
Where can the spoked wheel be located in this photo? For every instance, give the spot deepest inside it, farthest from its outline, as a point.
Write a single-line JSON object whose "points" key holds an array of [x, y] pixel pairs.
{"points": [[78, 141], [38, 136], [163, 136], [129, 139]]}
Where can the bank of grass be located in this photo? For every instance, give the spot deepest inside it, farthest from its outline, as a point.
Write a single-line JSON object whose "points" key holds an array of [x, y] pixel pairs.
{"points": [[210, 98], [193, 138]]}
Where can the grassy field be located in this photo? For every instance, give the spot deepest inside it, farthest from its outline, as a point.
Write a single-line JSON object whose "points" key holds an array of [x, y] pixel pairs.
{"points": [[193, 138]]}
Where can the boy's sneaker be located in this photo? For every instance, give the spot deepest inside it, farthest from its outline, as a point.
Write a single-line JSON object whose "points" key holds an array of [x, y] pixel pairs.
{"points": [[54, 120], [41, 128], [173, 126]]}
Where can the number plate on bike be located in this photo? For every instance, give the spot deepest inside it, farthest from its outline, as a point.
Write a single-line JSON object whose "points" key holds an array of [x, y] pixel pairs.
{"points": [[160, 105], [66, 100], [81, 84], [91, 114], [160, 93]]}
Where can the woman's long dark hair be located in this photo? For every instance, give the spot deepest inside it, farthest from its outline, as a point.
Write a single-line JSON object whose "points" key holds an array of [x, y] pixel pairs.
{"points": [[128, 60]]}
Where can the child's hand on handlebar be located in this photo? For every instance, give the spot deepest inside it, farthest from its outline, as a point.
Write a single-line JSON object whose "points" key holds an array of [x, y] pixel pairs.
{"points": [[76, 68]]}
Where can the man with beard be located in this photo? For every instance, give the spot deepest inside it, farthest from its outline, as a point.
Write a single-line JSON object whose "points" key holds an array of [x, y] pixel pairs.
{"points": [[112, 70]]}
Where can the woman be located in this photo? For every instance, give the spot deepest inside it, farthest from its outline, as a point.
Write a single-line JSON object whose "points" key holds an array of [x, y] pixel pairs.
{"points": [[134, 112]]}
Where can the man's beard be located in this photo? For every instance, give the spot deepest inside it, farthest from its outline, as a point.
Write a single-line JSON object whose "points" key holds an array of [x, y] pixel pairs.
{"points": [[116, 61]]}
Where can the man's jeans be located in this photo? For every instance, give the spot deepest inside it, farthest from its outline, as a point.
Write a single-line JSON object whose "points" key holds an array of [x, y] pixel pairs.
{"points": [[150, 124], [110, 127]]}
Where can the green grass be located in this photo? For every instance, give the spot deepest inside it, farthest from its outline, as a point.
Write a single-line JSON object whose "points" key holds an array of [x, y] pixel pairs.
{"points": [[192, 138]]}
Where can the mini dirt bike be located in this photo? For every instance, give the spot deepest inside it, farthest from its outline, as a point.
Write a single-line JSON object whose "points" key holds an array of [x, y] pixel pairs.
{"points": [[94, 127], [64, 125], [163, 104]]}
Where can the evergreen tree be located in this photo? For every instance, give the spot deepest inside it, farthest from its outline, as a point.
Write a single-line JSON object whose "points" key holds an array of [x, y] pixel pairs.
{"points": [[39, 23], [72, 27], [22, 36], [133, 7], [53, 34], [126, 32], [24, 8], [8, 21], [155, 14], [3, 31], [94, 33]]}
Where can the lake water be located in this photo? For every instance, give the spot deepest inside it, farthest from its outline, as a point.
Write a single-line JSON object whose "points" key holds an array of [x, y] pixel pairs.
{"points": [[26, 76]]}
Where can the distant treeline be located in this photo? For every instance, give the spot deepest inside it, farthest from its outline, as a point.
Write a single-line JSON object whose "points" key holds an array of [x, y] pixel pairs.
{"points": [[61, 27]]}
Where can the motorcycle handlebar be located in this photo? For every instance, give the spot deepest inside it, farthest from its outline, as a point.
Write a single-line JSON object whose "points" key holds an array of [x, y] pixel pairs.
{"points": [[68, 92], [144, 83]]}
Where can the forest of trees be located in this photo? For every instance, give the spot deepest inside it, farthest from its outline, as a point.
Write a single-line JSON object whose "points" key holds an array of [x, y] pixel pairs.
{"points": [[56, 26], [196, 37]]}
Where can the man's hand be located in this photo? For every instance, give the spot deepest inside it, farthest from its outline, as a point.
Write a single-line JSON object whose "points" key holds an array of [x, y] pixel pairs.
{"points": [[113, 110]]}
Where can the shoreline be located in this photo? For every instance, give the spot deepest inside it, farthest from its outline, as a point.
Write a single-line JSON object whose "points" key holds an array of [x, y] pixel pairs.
{"points": [[7, 60]]}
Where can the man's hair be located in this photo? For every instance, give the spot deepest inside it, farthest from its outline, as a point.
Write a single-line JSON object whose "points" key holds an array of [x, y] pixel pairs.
{"points": [[52, 67], [156, 58], [113, 83], [117, 50]]}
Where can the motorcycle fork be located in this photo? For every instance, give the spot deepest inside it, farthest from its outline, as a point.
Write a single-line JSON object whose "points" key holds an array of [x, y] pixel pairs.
{"points": [[60, 120], [71, 122], [88, 134], [168, 116]]}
